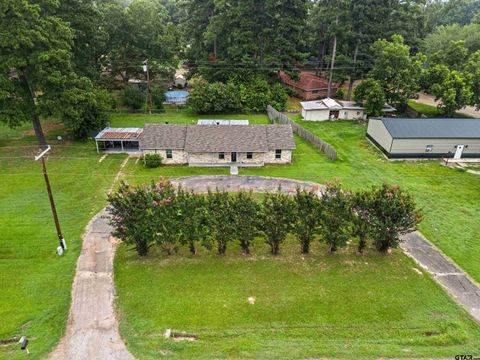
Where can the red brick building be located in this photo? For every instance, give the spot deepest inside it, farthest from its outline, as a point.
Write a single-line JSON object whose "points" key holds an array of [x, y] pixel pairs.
{"points": [[310, 86]]}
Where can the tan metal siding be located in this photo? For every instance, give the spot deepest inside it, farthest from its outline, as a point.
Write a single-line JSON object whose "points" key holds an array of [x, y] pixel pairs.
{"points": [[379, 133], [440, 146]]}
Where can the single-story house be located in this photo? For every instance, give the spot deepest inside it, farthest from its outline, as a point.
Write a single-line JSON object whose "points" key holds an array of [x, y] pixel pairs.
{"points": [[119, 139], [309, 86], [180, 81], [204, 145], [330, 109], [426, 138]]}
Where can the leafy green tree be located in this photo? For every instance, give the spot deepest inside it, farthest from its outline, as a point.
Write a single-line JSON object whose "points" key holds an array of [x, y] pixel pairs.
{"points": [[87, 109], [361, 213], [442, 37], [245, 215], [166, 215], [472, 73], [278, 97], [133, 97], [307, 217], [453, 56], [131, 213], [277, 217], [394, 214], [370, 93], [221, 219], [335, 221], [213, 98], [396, 70], [35, 64], [158, 97], [449, 86], [194, 213]]}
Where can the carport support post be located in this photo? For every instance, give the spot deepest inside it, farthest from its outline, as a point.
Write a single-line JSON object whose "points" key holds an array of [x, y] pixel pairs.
{"points": [[121, 144], [96, 144]]}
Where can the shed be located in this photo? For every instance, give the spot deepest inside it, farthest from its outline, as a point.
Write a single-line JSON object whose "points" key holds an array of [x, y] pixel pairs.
{"points": [[426, 138], [180, 81]]}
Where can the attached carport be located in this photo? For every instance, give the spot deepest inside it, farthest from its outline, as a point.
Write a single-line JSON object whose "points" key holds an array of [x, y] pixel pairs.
{"points": [[119, 139]]}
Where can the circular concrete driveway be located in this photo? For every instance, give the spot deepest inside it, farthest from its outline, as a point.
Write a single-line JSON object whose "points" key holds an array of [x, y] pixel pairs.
{"points": [[92, 327]]}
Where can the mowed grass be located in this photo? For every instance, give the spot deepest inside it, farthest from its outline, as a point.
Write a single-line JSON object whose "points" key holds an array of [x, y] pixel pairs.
{"points": [[431, 111], [449, 198], [343, 305], [35, 284]]}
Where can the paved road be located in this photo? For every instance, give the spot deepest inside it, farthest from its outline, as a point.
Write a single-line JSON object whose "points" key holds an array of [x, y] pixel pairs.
{"points": [[92, 328], [430, 100], [454, 280]]}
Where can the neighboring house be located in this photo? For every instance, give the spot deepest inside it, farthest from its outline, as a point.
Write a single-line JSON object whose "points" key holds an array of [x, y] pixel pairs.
{"points": [[309, 86], [119, 139], [330, 109], [426, 138], [180, 81], [205, 145]]}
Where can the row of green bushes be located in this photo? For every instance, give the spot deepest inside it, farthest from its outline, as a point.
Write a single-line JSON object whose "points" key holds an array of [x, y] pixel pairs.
{"points": [[251, 95], [161, 214]]}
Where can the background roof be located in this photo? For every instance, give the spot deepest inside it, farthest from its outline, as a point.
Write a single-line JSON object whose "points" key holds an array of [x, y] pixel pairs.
{"points": [[447, 128]]}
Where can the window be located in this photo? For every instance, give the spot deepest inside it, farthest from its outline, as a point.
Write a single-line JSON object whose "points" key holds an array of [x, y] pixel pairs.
{"points": [[315, 91], [169, 153], [278, 154], [221, 156], [249, 155], [358, 112], [429, 148]]}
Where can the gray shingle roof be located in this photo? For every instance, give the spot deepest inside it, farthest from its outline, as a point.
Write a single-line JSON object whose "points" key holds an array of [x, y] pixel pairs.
{"points": [[215, 138], [158, 136], [446, 128], [280, 137]]}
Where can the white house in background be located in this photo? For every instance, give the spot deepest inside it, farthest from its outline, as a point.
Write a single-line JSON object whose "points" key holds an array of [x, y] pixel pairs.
{"points": [[330, 109], [180, 81]]}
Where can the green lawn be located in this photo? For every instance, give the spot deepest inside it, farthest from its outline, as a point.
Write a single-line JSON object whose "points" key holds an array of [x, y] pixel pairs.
{"points": [[449, 198], [35, 283], [340, 306], [343, 305], [430, 111]]}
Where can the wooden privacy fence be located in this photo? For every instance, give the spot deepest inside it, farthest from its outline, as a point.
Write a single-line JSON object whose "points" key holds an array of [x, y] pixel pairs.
{"points": [[304, 134]]}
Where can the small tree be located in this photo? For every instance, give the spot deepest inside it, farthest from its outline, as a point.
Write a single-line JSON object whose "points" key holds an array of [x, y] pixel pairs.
{"points": [[361, 214], [166, 213], [158, 97], [393, 214], [370, 93], [277, 218], [278, 97], [132, 216], [307, 217], [221, 219], [194, 218], [335, 220], [152, 160], [133, 97], [245, 216]]}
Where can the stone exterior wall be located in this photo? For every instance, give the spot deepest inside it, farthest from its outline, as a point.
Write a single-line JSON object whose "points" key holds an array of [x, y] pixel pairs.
{"points": [[179, 157], [286, 157], [213, 158]]}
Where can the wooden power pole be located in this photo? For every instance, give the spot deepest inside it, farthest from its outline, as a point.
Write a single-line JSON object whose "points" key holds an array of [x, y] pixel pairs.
{"points": [[63, 246], [149, 94]]}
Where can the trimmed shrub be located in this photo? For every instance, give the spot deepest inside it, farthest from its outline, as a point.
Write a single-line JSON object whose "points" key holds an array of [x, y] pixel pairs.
{"points": [[152, 160]]}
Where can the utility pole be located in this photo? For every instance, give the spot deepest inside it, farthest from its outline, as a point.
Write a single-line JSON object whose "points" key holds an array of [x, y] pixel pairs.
{"points": [[149, 95], [61, 240]]}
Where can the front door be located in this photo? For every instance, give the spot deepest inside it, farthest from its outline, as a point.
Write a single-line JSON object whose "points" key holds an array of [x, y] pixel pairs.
{"points": [[459, 151], [234, 157]]}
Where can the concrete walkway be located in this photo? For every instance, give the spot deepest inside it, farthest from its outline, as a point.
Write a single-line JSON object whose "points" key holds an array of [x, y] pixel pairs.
{"points": [[92, 328], [430, 100], [454, 280]]}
